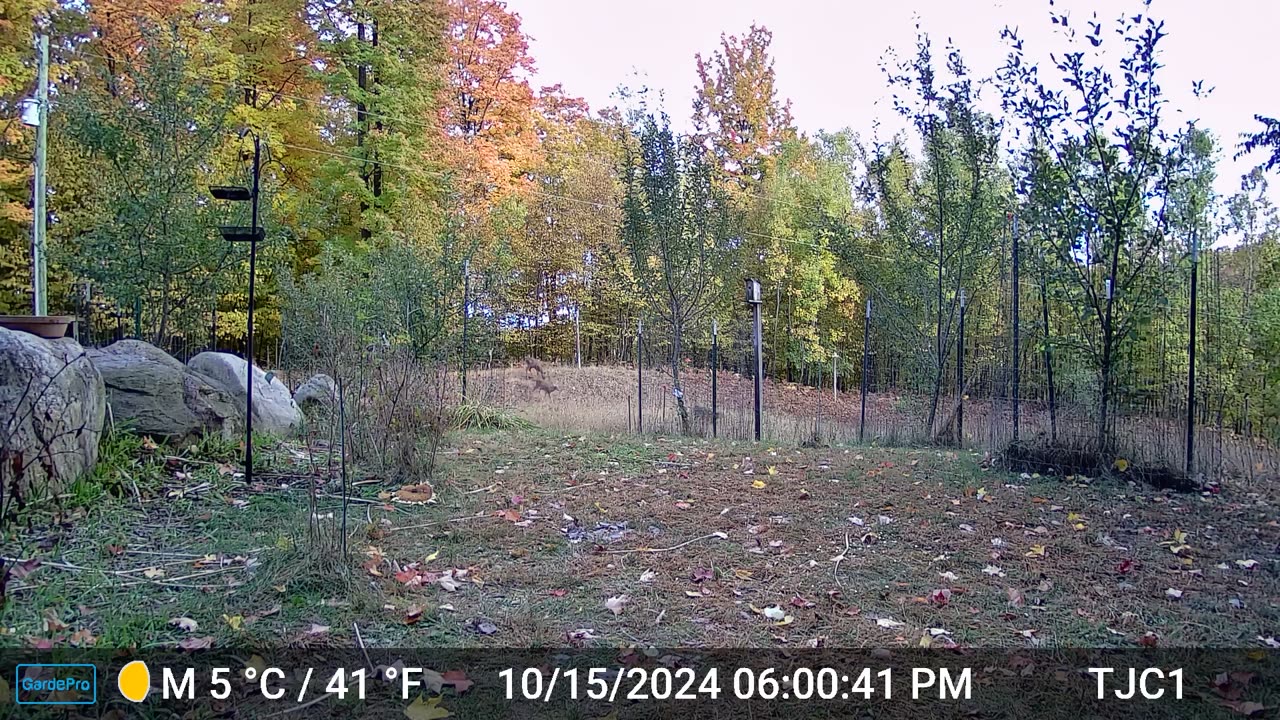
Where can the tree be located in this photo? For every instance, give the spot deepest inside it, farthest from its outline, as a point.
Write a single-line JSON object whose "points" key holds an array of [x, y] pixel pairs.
{"points": [[736, 112], [671, 229], [1103, 147], [486, 112], [153, 136], [958, 200], [1267, 137]]}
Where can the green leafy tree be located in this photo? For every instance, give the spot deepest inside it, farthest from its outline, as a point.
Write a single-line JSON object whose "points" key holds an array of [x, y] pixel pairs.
{"points": [[671, 230]]}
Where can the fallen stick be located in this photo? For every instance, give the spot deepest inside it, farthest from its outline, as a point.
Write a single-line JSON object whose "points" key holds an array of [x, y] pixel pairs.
{"points": [[441, 522], [720, 535]]}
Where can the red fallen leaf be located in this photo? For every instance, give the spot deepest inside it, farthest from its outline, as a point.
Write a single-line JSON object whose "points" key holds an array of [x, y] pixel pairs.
{"points": [[115, 549], [800, 602], [702, 574], [1149, 639], [509, 515], [39, 643], [83, 638], [196, 643], [408, 574], [559, 592], [1244, 708], [458, 679], [1124, 566], [940, 597]]}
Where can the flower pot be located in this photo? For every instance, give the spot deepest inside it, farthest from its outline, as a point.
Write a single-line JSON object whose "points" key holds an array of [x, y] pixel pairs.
{"points": [[50, 327]]}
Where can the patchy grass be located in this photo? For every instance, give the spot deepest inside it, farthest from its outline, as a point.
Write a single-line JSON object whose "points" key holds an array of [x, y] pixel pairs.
{"points": [[532, 533]]}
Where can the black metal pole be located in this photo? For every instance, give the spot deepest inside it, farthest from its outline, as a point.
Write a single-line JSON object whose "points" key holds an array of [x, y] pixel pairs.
{"points": [[253, 271], [639, 377], [960, 377], [466, 313], [715, 373], [866, 365], [1017, 337], [753, 298], [1191, 356]]}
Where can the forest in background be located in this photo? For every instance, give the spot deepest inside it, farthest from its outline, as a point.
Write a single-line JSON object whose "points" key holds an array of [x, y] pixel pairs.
{"points": [[411, 161]]}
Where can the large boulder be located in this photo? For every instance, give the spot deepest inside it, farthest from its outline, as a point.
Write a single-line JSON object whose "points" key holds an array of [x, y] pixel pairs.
{"points": [[52, 405], [158, 395], [320, 390], [274, 411]]}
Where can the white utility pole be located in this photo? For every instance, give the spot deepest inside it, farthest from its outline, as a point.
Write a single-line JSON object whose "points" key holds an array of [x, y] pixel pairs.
{"points": [[39, 213]]}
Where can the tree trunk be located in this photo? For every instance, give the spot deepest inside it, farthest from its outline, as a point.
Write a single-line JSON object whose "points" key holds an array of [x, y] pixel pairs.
{"points": [[675, 378]]}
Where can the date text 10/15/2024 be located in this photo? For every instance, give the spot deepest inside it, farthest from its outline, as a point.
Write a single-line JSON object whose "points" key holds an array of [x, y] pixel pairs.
{"points": [[802, 683]]}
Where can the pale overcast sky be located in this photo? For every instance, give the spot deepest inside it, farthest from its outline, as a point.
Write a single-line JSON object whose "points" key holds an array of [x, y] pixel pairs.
{"points": [[827, 52]]}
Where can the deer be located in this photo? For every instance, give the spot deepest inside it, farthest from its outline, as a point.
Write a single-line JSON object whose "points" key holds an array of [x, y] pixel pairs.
{"points": [[532, 363], [543, 385]]}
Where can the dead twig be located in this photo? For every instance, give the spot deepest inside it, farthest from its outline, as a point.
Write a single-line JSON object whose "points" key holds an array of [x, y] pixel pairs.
{"points": [[719, 535]]}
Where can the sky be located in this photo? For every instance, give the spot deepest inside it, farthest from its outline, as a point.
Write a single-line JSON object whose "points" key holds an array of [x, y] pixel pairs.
{"points": [[827, 53]]}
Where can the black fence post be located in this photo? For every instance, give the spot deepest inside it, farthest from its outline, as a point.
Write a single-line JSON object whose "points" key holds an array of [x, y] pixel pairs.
{"points": [[1017, 377], [715, 373], [1191, 356], [753, 299], [639, 376], [960, 376], [866, 364]]}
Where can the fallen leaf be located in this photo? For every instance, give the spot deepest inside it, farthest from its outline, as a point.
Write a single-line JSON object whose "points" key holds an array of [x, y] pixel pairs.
{"points": [[1245, 708], [1015, 597], [888, 622], [412, 614], [417, 494], [458, 679], [1173, 593], [153, 573], [615, 604], [196, 643], [993, 571], [317, 629], [757, 484], [1036, 551], [423, 709], [234, 621], [185, 624]]}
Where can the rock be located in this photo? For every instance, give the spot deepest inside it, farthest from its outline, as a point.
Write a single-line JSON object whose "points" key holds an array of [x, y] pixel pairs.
{"points": [[319, 390], [52, 406], [274, 411], [157, 395]]}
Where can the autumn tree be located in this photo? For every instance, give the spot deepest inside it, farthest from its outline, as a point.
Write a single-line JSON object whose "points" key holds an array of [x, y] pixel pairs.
{"points": [[737, 113], [487, 107]]}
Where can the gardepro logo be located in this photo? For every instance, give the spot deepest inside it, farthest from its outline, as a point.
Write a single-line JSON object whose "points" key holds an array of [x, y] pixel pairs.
{"points": [[56, 684]]}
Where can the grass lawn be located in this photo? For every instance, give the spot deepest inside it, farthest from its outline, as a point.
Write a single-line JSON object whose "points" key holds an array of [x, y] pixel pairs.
{"points": [[537, 538]]}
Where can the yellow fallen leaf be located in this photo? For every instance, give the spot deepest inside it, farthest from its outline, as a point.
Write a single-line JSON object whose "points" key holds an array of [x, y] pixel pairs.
{"points": [[757, 484], [1036, 551], [1122, 464], [773, 470], [257, 663], [431, 557], [235, 621], [423, 709], [786, 620]]}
